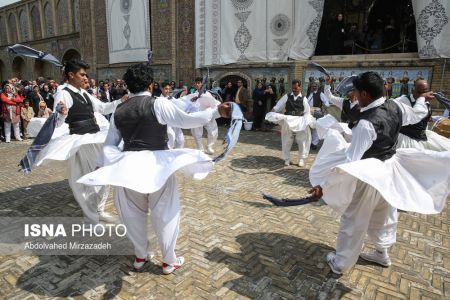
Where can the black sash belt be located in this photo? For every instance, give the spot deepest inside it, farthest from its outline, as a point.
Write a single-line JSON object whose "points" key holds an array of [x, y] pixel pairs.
{"points": [[84, 126]]}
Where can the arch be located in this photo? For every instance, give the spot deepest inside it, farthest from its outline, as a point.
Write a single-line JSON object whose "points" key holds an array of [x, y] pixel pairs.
{"points": [[75, 8], [3, 33], [36, 23], [23, 20], [18, 67], [246, 78], [38, 68], [2, 71], [12, 28], [42, 69], [48, 17], [71, 54], [62, 16]]}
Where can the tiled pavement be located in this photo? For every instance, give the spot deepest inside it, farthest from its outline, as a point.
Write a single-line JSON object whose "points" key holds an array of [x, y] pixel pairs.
{"points": [[236, 245]]}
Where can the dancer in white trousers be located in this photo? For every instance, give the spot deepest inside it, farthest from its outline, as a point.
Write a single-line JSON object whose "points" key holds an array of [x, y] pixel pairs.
{"points": [[82, 147], [211, 128], [367, 180], [141, 123], [175, 135], [295, 105]]}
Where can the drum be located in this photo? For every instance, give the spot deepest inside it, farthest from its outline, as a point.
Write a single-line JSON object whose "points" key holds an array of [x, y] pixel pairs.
{"points": [[442, 127]]}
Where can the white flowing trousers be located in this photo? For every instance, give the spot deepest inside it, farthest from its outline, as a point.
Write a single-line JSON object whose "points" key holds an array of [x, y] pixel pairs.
{"points": [[91, 199], [176, 138], [164, 205], [211, 129], [16, 128], [303, 139], [368, 213]]}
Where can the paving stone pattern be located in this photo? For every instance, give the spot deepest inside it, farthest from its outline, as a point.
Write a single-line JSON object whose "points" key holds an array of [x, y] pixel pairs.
{"points": [[236, 245]]}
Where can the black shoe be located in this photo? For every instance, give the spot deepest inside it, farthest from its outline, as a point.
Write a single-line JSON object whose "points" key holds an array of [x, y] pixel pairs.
{"points": [[313, 147]]}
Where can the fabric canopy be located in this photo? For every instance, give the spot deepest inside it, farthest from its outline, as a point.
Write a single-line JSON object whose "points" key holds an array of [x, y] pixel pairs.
{"points": [[433, 28], [128, 26], [229, 31]]}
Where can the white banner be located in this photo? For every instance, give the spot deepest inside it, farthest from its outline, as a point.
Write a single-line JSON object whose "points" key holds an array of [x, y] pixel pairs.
{"points": [[433, 27], [128, 25], [229, 31]]}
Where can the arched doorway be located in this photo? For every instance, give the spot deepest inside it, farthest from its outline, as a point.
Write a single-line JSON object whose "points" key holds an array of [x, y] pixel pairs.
{"points": [[71, 54], [38, 68], [228, 94], [233, 79], [18, 67], [43, 69]]}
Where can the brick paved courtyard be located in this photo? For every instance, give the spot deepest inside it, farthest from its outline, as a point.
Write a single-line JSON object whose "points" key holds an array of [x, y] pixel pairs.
{"points": [[236, 245]]}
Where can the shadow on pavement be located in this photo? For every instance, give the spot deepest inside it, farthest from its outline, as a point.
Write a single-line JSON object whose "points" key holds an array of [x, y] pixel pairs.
{"points": [[273, 265]]}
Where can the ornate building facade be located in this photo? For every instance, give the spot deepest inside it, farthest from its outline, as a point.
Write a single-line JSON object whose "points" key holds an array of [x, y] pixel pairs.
{"points": [[78, 29]]}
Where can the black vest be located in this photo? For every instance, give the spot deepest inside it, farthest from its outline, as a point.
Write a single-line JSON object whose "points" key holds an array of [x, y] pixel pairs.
{"points": [[350, 115], [387, 121], [138, 125], [81, 118], [317, 101], [417, 131], [294, 107]]}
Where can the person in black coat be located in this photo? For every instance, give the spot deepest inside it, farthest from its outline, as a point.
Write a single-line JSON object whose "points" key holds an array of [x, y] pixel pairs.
{"points": [[259, 106]]}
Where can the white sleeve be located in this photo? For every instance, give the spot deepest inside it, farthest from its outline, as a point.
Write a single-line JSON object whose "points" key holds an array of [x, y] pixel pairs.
{"points": [[307, 110], [62, 96], [337, 101], [363, 135], [110, 147], [168, 113], [412, 115], [105, 108], [280, 104], [324, 100]]}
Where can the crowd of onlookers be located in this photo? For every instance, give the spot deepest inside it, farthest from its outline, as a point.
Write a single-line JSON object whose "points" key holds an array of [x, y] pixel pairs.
{"points": [[23, 100]]}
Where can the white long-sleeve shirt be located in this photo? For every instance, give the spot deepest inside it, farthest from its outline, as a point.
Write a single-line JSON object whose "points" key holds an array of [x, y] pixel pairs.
{"points": [[97, 105], [363, 134], [335, 100], [281, 104], [323, 98]]}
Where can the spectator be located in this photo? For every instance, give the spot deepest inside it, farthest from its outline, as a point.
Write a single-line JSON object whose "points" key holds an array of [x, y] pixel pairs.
{"points": [[391, 36], [351, 38], [11, 104], [271, 97], [259, 106], [184, 91], [47, 95], [404, 87], [337, 35], [44, 111], [93, 88], [35, 98], [389, 82], [27, 113], [156, 90], [228, 92], [242, 98], [104, 93], [118, 90]]}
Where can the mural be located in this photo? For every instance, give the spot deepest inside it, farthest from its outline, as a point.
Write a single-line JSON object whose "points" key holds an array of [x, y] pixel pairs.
{"points": [[396, 75]]}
